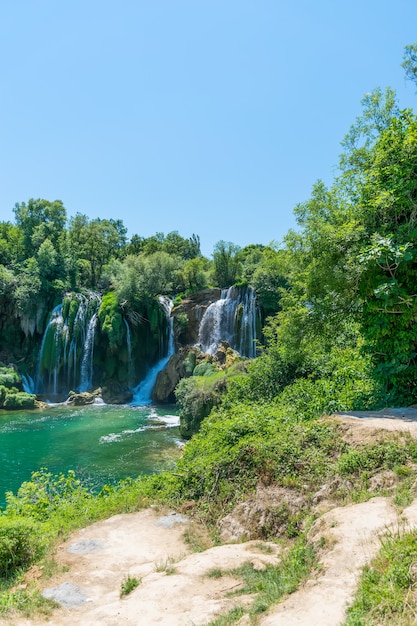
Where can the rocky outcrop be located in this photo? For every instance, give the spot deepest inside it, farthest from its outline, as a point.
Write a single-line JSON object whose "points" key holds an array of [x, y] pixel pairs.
{"points": [[225, 356], [188, 362], [116, 393], [80, 399], [188, 315], [169, 378], [272, 511]]}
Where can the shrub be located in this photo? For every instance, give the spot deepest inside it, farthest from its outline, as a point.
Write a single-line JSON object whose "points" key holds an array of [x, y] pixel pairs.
{"points": [[204, 369], [9, 378], [236, 448], [385, 455], [20, 544], [195, 404], [19, 400], [3, 394], [189, 362], [181, 322], [45, 494]]}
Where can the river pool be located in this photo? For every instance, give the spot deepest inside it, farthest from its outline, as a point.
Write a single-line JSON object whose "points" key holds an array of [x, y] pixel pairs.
{"points": [[102, 443]]}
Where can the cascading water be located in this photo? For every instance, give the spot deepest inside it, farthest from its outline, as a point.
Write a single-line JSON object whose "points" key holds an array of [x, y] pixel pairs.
{"points": [[232, 318], [249, 314], [65, 358], [87, 362], [28, 383], [142, 393]]}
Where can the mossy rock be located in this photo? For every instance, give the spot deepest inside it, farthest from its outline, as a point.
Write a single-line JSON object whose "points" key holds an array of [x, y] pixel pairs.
{"points": [[19, 400], [81, 399], [9, 377]]}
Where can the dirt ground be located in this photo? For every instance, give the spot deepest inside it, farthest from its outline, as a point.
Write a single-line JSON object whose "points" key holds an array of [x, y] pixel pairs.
{"points": [[174, 588]]}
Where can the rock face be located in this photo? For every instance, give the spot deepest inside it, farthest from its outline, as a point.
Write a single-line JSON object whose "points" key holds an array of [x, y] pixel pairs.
{"points": [[169, 378], [270, 511], [193, 307], [116, 394]]}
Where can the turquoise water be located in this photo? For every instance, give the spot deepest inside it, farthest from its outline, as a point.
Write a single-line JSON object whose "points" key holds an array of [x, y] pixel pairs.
{"points": [[102, 443]]}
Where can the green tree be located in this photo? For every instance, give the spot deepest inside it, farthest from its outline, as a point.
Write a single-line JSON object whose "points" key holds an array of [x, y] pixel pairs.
{"points": [[172, 243], [379, 108], [227, 267], [144, 276], [388, 285], [11, 244], [135, 245], [47, 258], [27, 289], [40, 220], [265, 269], [410, 62], [194, 275], [96, 242]]}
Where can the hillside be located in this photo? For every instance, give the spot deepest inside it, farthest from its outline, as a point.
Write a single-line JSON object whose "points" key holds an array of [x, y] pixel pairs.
{"points": [[179, 586]]}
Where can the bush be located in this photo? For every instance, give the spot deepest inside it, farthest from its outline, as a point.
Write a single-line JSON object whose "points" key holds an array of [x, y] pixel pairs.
{"points": [[19, 400], [45, 494], [204, 369], [195, 404], [238, 447], [20, 544], [181, 322], [3, 394], [9, 378], [385, 455], [189, 362]]}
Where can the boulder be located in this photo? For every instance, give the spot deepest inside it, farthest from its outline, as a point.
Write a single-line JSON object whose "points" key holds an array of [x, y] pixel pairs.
{"points": [[80, 399], [169, 378], [115, 393], [225, 356]]}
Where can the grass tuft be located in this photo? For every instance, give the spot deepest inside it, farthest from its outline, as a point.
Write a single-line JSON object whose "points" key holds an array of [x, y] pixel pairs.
{"points": [[128, 585]]}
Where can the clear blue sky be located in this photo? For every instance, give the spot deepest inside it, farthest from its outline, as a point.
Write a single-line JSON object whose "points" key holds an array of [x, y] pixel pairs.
{"points": [[212, 117]]}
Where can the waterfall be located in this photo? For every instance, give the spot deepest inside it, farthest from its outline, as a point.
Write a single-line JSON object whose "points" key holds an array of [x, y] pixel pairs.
{"points": [[28, 383], [87, 362], [247, 330], [142, 392], [65, 358], [232, 318], [54, 327]]}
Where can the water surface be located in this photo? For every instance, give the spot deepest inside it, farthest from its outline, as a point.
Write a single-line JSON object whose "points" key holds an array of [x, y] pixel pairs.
{"points": [[102, 443]]}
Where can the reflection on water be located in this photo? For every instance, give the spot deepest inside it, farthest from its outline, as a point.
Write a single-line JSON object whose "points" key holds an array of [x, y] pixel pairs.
{"points": [[102, 443]]}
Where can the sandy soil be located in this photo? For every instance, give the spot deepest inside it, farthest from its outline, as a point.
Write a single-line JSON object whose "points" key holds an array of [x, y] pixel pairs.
{"points": [[175, 589]]}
